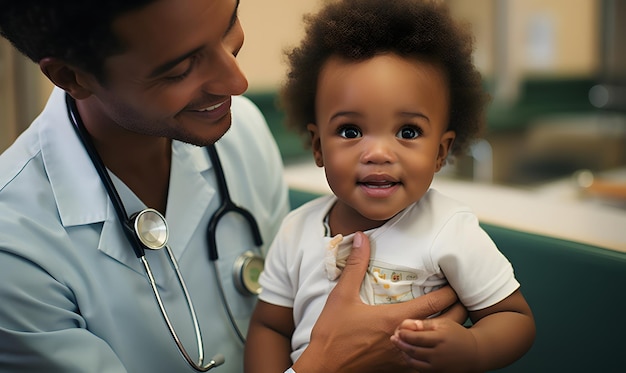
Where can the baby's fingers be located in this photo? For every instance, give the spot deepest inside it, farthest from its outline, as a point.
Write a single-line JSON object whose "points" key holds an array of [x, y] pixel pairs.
{"points": [[418, 333], [409, 324], [417, 357]]}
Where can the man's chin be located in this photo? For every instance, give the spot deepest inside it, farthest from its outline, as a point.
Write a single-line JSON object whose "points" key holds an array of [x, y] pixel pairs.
{"points": [[202, 139]]}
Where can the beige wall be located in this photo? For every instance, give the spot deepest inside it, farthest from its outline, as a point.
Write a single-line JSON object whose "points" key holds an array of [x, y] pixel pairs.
{"points": [[543, 37], [516, 39], [23, 92], [270, 26], [570, 36], [7, 98], [555, 37]]}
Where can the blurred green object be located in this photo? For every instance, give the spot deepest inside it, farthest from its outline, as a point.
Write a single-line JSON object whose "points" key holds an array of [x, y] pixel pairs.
{"points": [[290, 145], [540, 97]]}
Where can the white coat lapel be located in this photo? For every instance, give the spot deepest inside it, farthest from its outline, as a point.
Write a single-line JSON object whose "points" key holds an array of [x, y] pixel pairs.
{"points": [[188, 200], [189, 196], [80, 196]]}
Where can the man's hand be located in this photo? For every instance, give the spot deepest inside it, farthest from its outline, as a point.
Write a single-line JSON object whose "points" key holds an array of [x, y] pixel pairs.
{"points": [[351, 336]]}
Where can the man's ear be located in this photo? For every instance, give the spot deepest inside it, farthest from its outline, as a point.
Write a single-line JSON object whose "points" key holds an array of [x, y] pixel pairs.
{"points": [[67, 77], [316, 144], [447, 139]]}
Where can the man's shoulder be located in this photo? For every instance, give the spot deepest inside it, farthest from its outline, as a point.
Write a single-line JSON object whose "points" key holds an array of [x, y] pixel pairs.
{"points": [[22, 158]]}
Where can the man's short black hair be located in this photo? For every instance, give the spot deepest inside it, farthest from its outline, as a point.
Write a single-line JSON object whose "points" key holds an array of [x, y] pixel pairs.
{"points": [[78, 32]]}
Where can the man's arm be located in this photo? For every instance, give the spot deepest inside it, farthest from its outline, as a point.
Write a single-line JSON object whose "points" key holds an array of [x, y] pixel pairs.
{"points": [[39, 327]]}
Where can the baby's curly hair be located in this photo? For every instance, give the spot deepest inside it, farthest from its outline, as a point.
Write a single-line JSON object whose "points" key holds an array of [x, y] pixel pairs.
{"points": [[361, 29], [76, 31]]}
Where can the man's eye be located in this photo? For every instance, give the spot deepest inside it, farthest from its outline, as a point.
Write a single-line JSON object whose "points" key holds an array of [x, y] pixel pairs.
{"points": [[178, 77], [408, 133], [349, 132]]}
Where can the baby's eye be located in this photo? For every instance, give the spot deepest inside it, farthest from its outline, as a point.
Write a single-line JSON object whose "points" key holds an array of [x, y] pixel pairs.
{"points": [[349, 132], [408, 132]]}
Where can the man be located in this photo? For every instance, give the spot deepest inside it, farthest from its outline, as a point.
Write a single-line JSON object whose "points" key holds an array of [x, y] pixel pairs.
{"points": [[153, 82]]}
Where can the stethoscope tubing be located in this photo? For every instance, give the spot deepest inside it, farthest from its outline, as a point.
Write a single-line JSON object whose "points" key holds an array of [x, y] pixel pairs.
{"points": [[199, 342], [116, 200], [138, 248]]}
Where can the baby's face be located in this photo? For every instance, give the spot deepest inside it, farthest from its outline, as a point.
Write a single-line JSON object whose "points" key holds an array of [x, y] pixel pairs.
{"points": [[381, 132]]}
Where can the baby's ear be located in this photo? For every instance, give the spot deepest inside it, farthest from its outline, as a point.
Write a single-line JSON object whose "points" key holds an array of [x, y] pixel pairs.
{"points": [[445, 145], [66, 77], [316, 144]]}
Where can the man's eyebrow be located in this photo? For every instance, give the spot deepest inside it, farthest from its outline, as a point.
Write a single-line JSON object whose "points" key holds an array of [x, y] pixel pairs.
{"points": [[233, 18], [165, 67]]}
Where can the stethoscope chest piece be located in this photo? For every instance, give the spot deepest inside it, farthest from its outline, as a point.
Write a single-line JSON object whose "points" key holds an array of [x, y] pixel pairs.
{"points": [[246, 271], [151, 228]]}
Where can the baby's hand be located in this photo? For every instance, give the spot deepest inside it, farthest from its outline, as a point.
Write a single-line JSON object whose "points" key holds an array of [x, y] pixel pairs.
{"points": [[436, 345]]}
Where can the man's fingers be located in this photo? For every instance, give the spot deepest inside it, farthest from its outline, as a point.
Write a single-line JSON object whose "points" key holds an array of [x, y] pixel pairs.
{"points": [[350, 281], [426, 305], [456, 312], [420, 308], [352, 276]]}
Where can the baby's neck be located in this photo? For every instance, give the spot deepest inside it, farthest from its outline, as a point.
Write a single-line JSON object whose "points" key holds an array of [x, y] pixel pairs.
{"points": [[345, 220]]}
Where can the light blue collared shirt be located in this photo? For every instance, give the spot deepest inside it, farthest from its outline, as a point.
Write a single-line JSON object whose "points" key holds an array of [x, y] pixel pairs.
{"points": [[75, 297]]}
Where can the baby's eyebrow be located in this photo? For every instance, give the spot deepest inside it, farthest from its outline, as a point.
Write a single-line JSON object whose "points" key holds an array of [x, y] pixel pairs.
{"points": [[346, 114], [412, 114]]}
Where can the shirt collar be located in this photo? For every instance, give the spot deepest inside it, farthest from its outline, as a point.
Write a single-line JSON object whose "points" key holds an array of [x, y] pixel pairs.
{"points": [[80, 196], [82, 199]]}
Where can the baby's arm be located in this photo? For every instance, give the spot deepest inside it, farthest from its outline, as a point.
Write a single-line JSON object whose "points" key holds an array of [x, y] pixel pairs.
{"points": [[501, 334], [268, 345]]}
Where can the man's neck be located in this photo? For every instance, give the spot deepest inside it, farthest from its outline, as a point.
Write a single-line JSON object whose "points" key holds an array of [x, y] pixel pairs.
{"points": [[142, 162]]}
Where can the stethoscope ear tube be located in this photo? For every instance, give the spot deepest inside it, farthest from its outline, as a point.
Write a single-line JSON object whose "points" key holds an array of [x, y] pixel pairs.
{"points": [[248, 266], [227, 205]]}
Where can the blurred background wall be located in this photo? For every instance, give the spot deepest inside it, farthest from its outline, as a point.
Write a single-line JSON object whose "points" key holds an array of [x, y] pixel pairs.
{"points": [[556, 70], [555, 37]]}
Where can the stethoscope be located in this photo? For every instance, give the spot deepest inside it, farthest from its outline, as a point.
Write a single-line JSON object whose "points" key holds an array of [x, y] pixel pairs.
{"points": [[147, 229]]}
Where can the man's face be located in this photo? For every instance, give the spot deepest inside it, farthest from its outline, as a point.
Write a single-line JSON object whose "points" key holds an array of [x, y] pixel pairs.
{"points": [[177, 73]]}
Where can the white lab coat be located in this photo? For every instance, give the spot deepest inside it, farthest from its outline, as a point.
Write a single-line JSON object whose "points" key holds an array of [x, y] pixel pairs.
{"points": [[75, 298]]}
